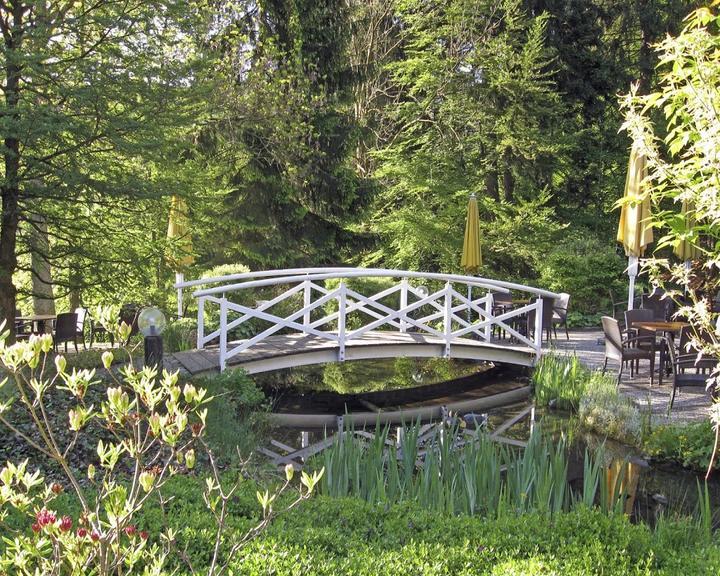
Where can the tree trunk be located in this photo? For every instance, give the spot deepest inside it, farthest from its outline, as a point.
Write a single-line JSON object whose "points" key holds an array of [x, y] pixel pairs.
{"points": [[42, 285], [10, 189], [508, 178], [491, 185]]}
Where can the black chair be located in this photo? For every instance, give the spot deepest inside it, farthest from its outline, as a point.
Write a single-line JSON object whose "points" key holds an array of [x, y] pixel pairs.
{"points": [[645, 339], [65, 330], [128, 314], [547, 317], [662, 307], [689, 370], [502, 302], [624, 350], [560, 311]]}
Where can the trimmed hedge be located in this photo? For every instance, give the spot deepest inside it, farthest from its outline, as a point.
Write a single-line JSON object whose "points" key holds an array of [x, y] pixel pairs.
{"points": [[327, 536]]}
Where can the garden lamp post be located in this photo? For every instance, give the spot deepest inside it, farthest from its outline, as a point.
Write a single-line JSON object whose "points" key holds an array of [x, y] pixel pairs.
{"points": [[151, 323]]}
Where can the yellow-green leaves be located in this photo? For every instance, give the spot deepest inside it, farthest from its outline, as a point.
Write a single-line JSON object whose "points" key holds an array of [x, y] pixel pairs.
{"points": [[311, 481], [147, 480], [107, 359]]}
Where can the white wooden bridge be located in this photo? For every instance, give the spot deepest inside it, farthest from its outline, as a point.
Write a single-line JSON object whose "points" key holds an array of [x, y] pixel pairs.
{"points": [[264, 321]]}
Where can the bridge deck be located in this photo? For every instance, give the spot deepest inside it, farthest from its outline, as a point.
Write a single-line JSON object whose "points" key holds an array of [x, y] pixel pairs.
{"points": [[284, 351]]}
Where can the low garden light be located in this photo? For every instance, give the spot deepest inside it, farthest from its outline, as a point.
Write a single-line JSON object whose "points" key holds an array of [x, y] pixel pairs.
{"points": [[151, 323]]}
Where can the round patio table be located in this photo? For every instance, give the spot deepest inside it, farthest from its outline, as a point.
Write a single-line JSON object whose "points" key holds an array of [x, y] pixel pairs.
{"points": [[662, 327]]}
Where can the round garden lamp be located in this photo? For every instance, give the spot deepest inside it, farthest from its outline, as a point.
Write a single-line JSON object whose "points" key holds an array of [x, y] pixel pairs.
{"points": [[151, 323]]}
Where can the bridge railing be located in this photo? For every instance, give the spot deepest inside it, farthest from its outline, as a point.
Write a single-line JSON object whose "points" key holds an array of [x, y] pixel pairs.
{"points": [[322, 302]]}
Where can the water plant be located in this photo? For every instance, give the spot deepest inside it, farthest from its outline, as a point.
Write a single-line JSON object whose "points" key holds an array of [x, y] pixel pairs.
{"points": [[452, 470], [561, 380]]}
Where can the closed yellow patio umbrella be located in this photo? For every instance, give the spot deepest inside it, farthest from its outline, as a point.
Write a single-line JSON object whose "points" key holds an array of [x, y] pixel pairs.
{"points": [[635, 229], [180, 236], [684, 249], [471, 260]]}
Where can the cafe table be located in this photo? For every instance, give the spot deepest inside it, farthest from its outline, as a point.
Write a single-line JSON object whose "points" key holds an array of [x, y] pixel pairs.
{"points": [[665, 328], [38, 321]]}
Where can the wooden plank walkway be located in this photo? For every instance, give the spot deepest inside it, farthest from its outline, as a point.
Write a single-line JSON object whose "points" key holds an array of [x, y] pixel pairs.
{"points": [[284, 351]]}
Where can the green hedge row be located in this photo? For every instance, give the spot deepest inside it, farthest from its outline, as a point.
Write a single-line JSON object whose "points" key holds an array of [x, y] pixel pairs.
{"points": [[327, 536]]}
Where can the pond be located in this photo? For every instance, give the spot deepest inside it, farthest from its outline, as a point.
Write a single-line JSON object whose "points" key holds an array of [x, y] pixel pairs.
{"points": [[382, 385]]}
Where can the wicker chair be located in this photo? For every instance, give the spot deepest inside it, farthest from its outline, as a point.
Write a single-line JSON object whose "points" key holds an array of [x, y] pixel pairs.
{"points": [[65, 330], [560, 311], [624, 350]]}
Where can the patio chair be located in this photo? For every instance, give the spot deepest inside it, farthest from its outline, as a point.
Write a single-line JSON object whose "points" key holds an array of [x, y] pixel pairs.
{"points": [[128, 314], [65, 330], [689, 370], [82, 318], [547, 316], [560, 311], [624, 350], [502, 302], [661, 307], [645, 338]]}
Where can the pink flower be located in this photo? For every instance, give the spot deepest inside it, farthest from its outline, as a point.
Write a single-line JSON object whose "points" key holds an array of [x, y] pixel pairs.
{"points": [[66, 523], [144, 535], [81, 532], [35, 527], [94, 536], [45, 517], [130, 530]]}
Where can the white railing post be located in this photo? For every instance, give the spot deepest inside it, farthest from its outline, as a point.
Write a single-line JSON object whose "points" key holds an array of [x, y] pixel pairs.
{"points": [[201, 323], [223, 332], [403, 303], [306, 301], [341, 321], [489, 311], [538, 325], [179, 279], [448, 318]]}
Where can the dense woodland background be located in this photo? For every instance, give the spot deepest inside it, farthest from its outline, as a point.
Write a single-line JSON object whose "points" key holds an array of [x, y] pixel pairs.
{"points": [[315, 132]]}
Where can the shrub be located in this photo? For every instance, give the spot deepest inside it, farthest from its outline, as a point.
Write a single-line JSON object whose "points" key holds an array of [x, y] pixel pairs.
{"points": [[586, 269], [690, 445], [560, 379], [605, 411], [146, 430], [237, 420], [180, 335]]}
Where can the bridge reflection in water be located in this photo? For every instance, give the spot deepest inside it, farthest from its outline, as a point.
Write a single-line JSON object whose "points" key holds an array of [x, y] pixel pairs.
{"points": [[319, 315]]}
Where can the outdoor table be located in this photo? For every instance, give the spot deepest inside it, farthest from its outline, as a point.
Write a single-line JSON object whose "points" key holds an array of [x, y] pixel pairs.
{"points": [[38, 321], [671, 328]]}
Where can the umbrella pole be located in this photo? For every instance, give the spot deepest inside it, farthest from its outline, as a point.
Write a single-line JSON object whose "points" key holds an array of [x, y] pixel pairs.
{"points": [[632, 273], [469, 312]]}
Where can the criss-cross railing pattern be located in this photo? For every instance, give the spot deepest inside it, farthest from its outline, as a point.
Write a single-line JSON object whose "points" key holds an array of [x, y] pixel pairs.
{"points": [[329, 304]]}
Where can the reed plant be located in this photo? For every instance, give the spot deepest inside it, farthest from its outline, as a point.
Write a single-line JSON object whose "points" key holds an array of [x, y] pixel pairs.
{"points": [[561, 380], [461, 473]]}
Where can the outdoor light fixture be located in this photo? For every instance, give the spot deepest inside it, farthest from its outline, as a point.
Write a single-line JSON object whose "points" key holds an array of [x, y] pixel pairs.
{"points": [[422, 291], [151, 323]]}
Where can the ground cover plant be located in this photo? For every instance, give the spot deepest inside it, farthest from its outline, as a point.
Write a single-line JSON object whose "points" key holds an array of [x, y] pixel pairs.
{"points": [[690, 445]]}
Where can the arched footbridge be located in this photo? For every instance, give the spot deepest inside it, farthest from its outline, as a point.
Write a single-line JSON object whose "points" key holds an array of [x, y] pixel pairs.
{"points": [[268, 320]]}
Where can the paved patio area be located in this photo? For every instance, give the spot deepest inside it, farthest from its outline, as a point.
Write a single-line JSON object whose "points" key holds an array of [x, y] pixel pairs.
{"points": [[690, 405]]}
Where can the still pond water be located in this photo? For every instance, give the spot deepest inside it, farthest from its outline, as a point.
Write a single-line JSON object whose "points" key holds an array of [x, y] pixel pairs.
{"points": [[392, 383]]}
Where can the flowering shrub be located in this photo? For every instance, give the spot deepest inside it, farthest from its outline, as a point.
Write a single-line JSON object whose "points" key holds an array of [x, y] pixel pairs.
{"points": [[605, 411], [150, 429]]}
